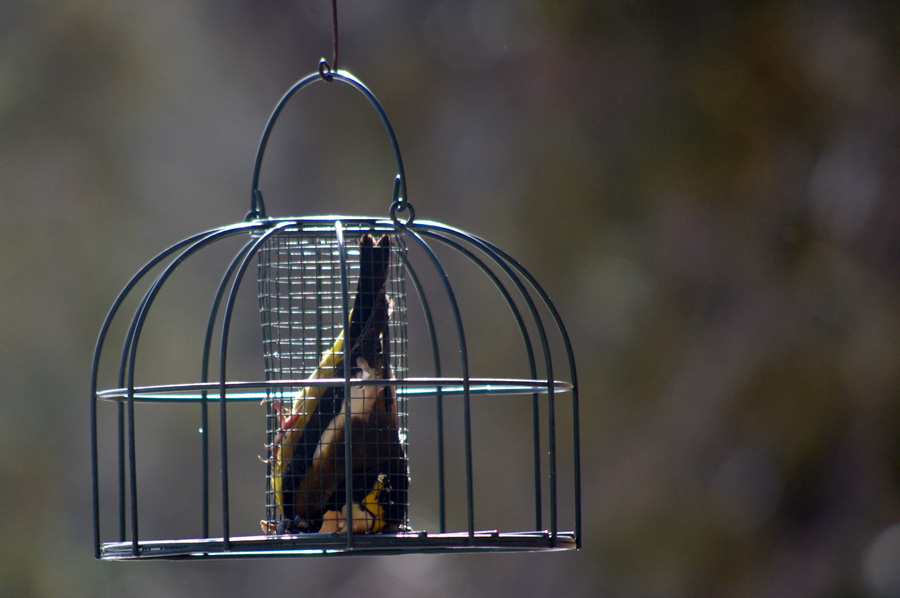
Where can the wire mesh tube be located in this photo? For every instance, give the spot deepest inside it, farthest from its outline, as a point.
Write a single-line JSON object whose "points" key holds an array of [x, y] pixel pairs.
{"points": [[334, 465]]}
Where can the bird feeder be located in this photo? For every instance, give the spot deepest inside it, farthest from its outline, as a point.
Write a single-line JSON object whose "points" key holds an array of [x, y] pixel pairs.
{"points": [[376, 433]]}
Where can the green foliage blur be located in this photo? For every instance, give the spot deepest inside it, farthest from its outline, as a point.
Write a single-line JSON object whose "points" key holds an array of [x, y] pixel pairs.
{"points": [[709, 191]]}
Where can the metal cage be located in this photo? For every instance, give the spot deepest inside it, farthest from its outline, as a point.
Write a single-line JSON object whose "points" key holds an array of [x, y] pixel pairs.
{"points": [[370, 395]]}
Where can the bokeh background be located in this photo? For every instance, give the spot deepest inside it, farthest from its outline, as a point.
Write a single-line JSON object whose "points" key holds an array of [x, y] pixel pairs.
{"points": [[710, 191]]}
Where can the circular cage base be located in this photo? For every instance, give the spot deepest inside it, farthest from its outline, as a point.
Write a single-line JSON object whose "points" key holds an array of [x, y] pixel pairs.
{"points": [[339, 545]]}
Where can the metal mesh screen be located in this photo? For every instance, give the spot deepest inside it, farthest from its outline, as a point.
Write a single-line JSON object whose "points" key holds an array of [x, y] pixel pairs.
{"points": [[308, 425]]}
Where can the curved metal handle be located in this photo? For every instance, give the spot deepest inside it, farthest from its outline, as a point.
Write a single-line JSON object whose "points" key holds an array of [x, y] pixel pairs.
{"points": [[400, 202]]}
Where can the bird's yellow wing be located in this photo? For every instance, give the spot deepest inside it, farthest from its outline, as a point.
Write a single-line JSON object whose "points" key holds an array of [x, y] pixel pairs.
{"points": [[302, 407]]}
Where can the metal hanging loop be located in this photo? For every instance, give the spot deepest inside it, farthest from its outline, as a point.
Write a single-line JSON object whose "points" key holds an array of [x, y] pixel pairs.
{"points": [[326, 70], [399, 204]]}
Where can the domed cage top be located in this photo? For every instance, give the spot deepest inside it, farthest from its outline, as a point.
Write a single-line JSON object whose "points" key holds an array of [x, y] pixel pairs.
{"points": [[376, 440]]}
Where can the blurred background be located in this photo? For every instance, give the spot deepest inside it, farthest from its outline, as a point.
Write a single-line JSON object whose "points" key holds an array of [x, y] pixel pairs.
{"points": [[708, 191]]}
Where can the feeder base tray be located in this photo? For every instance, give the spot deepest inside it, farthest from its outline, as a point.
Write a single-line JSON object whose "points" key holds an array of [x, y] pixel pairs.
{"points": [[335, 545]]}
